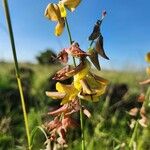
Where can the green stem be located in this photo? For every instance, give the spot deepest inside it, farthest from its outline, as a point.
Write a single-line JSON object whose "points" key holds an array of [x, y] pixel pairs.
{"points": [[7, 14], [70, 39], [68, 30], [81, 110], [82, 126], [133, 134]]}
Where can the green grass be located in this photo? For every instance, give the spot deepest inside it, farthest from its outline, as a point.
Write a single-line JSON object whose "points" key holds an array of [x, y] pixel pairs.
{"points": [[109, 132]]}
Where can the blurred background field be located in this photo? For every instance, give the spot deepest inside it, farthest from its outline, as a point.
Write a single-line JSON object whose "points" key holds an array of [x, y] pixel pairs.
{"points": [[110, 130]]}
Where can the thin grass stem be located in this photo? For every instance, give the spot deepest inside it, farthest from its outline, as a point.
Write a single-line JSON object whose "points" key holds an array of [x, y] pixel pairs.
{"points": [[82, 126], [133, 134], [8, 20]]}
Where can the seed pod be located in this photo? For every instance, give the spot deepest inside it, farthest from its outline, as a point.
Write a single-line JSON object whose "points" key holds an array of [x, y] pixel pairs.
{"points": [[99, 47], [96, 32], [94, 58]]}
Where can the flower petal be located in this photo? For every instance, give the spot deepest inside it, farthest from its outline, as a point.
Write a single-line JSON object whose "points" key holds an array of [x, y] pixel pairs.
{"points": [[62, 74], [71, 4], [60, 110], [147, 57], [143, 122], [55, 95], [70, 90], [76, 69], [91, 98], [63, 11], [52, 12], [87, 113], [141, 98], [133, 111], [63, 56], [75, 51], [145, 82], [81, 75], [85, 86], [100, 79], [69, 122], [59, 27]]}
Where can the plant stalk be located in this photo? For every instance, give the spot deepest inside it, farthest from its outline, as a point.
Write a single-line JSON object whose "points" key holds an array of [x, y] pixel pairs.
{"points": [[70, 39], [82, 126], [81, 110], [133, 135], [8, 20]]}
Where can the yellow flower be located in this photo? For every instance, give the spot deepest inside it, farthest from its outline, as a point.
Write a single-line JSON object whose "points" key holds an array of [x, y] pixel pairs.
{"points": [[65, 92], [70, 4], [147, 57], [90, 85], [58, 13], [81, 75]]}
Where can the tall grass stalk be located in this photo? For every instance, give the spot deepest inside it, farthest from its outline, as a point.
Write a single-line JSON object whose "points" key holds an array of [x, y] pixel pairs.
{"points": [[133, 134], [81, 110], [8, 20]]}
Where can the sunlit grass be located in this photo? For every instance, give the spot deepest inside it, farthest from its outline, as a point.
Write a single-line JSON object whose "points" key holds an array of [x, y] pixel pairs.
{"points": [[111, 133]]}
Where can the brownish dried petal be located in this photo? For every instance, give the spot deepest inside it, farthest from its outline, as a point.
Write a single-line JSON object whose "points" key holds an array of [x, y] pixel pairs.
{"points": [[61, 132], [53, 124], [76, 69], [63, 56], [100, 79], [73, 107], [67, 109], [63, 73], [142, 111], [133, 111], [143, 122], [53, 137], [62, 136], [75, 51], [99, 47], [55, 95], [145, 82], [87, 113], [61, 141], [60, 110], [69, 122], [141, 98]]}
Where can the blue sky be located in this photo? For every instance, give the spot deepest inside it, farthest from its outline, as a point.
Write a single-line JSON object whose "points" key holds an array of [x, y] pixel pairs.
{"points": [[125, 29]]}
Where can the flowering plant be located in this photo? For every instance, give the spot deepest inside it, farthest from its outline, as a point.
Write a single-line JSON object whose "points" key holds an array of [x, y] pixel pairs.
{"points": [[85, 84]]}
